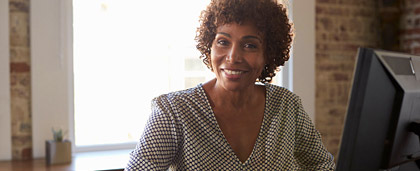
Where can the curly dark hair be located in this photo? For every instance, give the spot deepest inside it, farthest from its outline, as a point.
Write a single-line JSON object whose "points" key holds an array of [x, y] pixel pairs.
{"points": [[269, 17]]}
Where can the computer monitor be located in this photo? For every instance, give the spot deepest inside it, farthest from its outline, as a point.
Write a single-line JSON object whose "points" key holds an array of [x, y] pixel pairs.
{"points": [[384, 102]]}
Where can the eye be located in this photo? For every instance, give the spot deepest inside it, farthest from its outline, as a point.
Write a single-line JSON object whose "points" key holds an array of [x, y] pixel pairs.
{"points": [[250, 46], [222, 42]]}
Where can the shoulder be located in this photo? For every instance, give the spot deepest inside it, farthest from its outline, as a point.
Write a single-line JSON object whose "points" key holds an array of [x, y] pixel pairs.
{"points": [[181, 96], [174, 105], [280, 94]]}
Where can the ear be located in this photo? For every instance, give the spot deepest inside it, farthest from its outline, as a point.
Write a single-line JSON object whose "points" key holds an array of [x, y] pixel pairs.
{"points": [[209, 63]]}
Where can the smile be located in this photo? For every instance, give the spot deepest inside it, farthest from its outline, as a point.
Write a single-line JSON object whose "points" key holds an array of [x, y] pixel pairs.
{"points": [[231, 72]]}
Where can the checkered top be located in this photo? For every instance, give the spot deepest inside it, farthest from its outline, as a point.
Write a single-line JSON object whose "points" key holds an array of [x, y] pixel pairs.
{"points": [[182, 134]]}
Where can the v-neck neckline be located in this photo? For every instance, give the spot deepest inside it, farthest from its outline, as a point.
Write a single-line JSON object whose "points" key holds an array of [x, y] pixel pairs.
{"points": [[216, 125]]}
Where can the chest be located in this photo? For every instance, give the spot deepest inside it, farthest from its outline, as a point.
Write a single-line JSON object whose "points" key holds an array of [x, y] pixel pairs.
{"points": [[241, 129], [272, 150], [240, 125]]}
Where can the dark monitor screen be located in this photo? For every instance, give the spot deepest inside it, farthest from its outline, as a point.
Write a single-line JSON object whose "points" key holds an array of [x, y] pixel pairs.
{"points": [[384, 102]]}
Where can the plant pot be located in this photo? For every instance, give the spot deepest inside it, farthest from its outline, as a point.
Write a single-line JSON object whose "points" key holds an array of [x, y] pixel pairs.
{"points": [[58, 152]]}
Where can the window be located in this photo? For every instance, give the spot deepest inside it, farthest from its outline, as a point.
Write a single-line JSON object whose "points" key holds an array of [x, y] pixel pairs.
{"points": [[125, 53]]}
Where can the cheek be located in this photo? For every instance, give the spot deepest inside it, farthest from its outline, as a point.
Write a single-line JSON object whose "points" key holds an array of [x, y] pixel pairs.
{"points": [[259, 63], [212, 61], [259, 67], [216, 56]]}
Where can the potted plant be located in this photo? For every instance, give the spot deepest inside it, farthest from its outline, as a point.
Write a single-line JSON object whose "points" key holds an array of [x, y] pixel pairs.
{"points": [[58, 150]]}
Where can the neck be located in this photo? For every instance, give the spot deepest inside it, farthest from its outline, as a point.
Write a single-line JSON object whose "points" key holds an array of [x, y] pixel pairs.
{"points": [[237, 99]]}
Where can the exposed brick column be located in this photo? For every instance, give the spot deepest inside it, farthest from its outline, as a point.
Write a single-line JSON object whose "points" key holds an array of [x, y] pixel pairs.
{"points": [[341, 27], [20, 80], [410, 27], [389, 17]]}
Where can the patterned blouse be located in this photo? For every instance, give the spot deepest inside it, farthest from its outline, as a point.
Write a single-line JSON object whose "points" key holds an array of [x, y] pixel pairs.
{"points": [[182, 133]]}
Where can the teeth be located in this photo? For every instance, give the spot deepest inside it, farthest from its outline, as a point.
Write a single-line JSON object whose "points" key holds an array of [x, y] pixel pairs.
{"points": [[233, 72]]}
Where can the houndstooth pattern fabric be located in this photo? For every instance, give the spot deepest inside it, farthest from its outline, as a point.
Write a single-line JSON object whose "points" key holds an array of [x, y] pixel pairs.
{"points": [[182, 134]]}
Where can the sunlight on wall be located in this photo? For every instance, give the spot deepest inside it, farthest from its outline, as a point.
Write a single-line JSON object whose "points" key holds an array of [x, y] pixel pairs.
{"points": [[125, 53]]}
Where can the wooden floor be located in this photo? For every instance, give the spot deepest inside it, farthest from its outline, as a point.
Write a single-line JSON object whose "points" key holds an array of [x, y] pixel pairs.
{"points": [[108, 160]]}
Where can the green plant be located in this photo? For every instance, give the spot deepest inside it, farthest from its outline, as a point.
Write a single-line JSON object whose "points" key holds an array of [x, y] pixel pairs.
{"points": [[58, 135]]}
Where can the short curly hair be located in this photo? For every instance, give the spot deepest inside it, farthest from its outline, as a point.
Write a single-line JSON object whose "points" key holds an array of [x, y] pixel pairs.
{"points": [[269, 17]]}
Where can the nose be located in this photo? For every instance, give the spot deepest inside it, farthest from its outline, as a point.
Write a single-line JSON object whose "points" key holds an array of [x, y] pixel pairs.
{"points": [[234, 55]]}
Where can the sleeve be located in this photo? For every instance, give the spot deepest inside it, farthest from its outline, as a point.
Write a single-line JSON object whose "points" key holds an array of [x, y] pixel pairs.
{"points": [[309, 150], [158, 144]]}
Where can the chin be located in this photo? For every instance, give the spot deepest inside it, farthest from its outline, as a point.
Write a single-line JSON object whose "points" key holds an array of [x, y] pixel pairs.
{"points": [[236, 85]]}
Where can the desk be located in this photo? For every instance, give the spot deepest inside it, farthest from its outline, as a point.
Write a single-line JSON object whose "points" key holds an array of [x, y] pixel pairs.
{"points": [[86, 161]]}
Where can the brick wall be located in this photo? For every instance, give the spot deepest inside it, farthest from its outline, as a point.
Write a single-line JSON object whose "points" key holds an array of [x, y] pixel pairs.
{"points": [[20, 80], [341, 27], [410, 26]]}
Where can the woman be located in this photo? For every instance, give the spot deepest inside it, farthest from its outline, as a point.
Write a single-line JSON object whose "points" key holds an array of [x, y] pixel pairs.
{"points": [[232, 122]]}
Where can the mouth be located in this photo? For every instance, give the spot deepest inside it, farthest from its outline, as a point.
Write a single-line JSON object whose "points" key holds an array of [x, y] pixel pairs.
{"points": [[233, 72]]}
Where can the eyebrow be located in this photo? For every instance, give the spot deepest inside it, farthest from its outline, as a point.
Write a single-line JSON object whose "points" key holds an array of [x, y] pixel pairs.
{"points": [[245, 37]]}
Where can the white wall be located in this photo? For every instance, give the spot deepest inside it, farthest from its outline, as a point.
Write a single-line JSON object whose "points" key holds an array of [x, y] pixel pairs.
{"points": [[50, 71], [5, 127], [304, 53]]}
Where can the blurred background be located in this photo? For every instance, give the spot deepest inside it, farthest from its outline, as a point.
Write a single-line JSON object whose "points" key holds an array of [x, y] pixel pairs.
{"points": [[92, 67]]}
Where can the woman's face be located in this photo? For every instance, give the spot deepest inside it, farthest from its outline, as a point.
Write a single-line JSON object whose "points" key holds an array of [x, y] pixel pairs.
{"points": [[237, 55]]}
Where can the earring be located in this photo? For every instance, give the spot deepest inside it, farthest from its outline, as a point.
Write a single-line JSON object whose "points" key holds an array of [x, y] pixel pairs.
{"points": [[267, 72], [266, 66]]}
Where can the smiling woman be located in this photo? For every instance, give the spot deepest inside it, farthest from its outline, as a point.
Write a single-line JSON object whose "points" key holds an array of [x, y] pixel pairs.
{"points": [[238, 120], [237, 59], [237, 56]]}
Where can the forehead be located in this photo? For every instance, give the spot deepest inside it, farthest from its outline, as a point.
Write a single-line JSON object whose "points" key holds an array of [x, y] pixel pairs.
{"points": [[243, 29]]}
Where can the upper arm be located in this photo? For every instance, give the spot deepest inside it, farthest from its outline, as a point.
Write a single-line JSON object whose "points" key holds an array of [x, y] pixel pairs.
{"points": [[309, 150], [159, 143]]}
